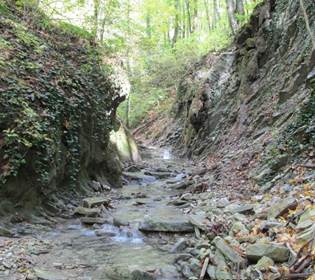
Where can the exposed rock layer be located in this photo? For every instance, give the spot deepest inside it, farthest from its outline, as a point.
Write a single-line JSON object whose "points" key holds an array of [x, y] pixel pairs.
{"points": [[250, 105]]}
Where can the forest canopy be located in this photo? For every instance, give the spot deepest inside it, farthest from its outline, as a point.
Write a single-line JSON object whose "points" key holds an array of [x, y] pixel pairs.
{"points": [[155, 40]]}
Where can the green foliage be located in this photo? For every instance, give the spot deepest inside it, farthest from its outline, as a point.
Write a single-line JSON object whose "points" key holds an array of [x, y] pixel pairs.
{"points": [[158, 69], [157, 40], [51, 89], [4, 44], [3, 8], [249, 7], [73, 30]]}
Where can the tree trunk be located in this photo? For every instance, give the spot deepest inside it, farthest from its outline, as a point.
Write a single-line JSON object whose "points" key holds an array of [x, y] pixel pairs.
{"points": [[231, 15], [128, 106], [195, 16], [206, 4], [188, 17], [95, 18], [176, 24], [216, 13], [240, 10], [102, 31], [183, 19]]}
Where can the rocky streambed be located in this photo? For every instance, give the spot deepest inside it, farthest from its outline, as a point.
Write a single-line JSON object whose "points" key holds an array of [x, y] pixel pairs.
{"points": [[169, 221]]}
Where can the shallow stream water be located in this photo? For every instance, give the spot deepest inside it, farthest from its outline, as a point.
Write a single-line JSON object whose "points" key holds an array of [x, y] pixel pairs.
{"points": [[121, 252]]}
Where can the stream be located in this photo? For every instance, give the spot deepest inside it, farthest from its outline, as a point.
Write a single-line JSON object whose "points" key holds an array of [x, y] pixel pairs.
{"points": [[137, 242]]}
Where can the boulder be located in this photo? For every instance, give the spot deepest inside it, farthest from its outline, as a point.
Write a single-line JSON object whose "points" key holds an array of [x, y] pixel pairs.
{"points": [[157, 225], [211, 271], [222, 271], [264, 263], [91, 202], [239, 208], [120, 222], [239, 228], [96, 186], [199, 221], [179, 246], [307, 219], [306, 225], [276, 252], [281, 207], [228, 252], [90, 212], [5, 232]]}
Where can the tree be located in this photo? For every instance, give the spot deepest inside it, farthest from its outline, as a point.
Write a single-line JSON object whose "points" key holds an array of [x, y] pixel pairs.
{"points": [[96, 4], [240, 10], [176, 23], [216, 13], [231, 15], [206, 5]]}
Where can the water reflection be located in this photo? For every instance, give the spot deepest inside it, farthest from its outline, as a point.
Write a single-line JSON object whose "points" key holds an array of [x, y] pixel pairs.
{"points": [[167, 154], [123, 234]]}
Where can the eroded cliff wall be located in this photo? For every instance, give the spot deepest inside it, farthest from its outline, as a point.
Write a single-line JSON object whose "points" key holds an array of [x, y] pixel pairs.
{"points": [[57, 107], [249, 110]]}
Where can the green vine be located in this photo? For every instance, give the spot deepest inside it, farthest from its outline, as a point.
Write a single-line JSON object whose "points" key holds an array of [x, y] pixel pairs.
{"points": [[51, 89]]}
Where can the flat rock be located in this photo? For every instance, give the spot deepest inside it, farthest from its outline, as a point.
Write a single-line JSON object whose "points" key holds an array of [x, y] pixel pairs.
{"points": [[222, 271], [118, 222], [161, 174], [239, 208], [49, 275], [139, 176], [90, 212], [306, 220], [166, 223], [228, 252], [137, 263], [91, 202], [281, 207], [5, 232], [119, 273], [276, 252], [179, 185], [211, 271], [199, 221]]}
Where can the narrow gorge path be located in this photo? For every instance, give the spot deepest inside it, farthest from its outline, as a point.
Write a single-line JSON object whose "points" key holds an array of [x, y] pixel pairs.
{"points": [[171, 220], [128, 233]]}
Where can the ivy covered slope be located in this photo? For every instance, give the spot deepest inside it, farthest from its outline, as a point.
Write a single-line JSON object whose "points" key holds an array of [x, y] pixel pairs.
{"points": [[250, 110], [57, 107]]}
